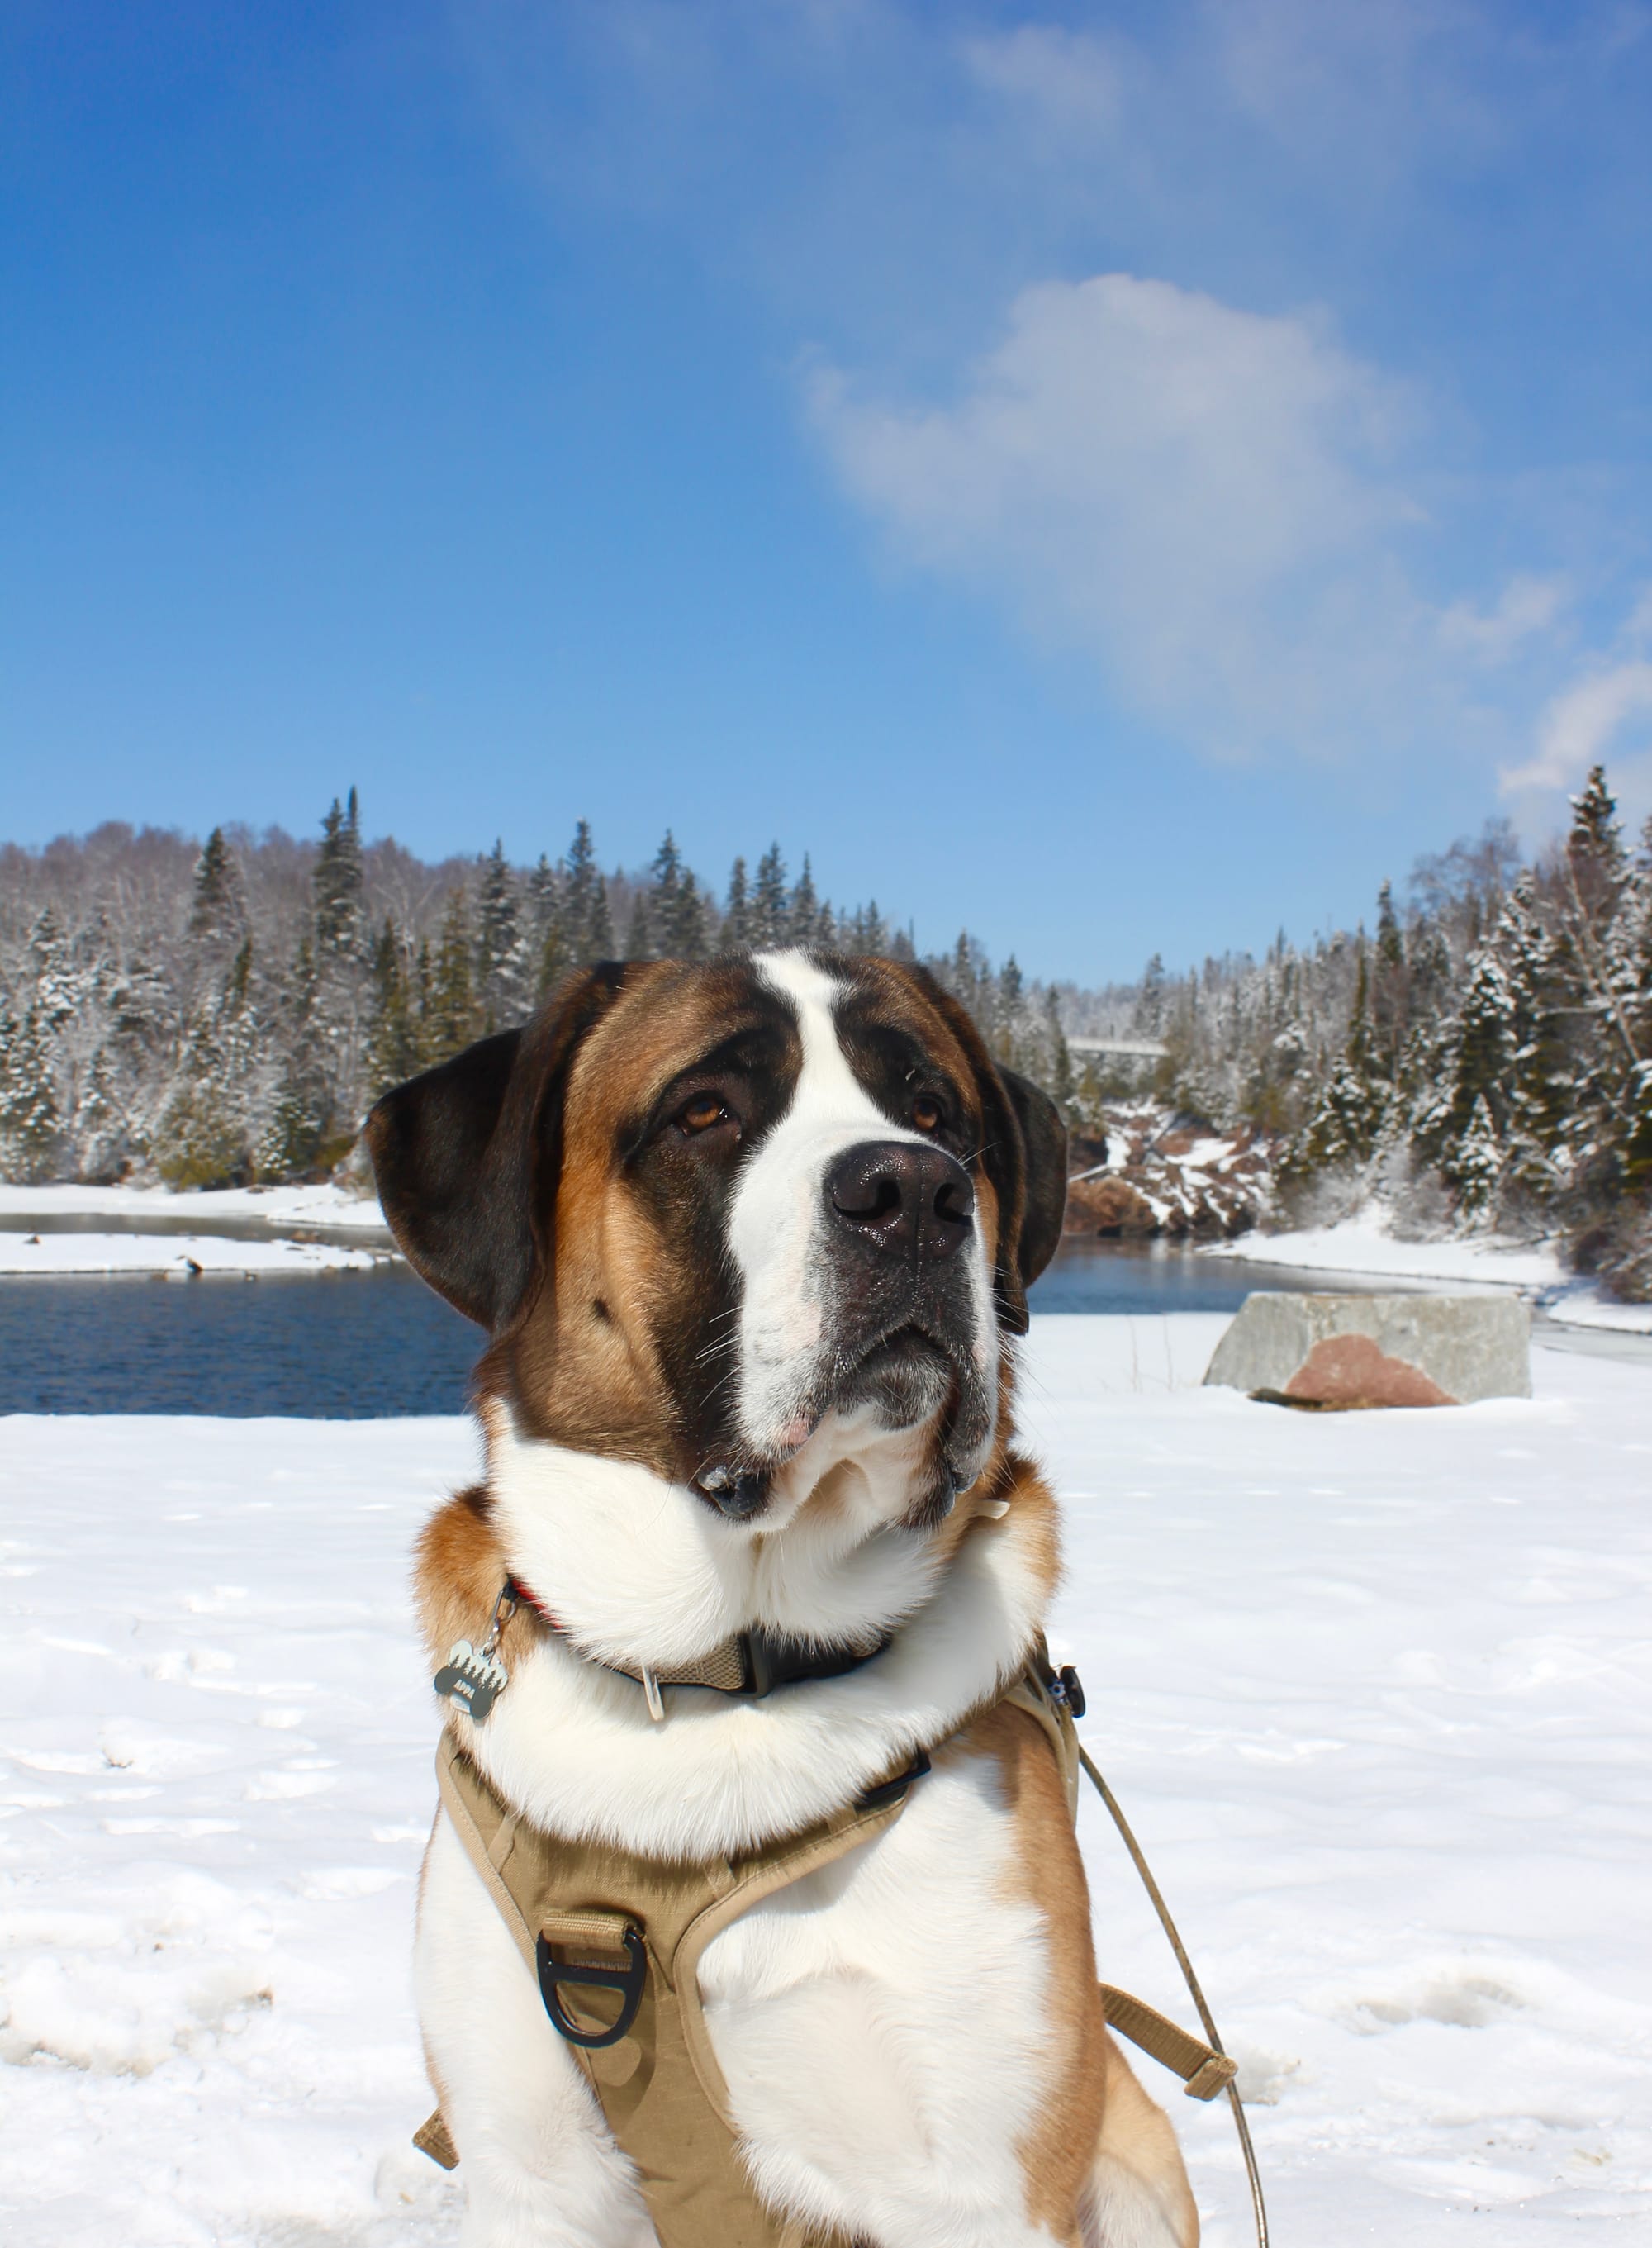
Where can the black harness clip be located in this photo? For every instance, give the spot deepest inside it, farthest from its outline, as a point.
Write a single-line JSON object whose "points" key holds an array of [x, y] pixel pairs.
{"points": [[630, 1980]]}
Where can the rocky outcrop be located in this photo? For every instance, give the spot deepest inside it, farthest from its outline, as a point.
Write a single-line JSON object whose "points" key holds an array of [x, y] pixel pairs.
{"points": [[1160, 1172]]}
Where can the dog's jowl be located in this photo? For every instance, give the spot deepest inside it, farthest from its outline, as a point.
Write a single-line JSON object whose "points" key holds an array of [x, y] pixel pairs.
{"points": [[753, 1912]]}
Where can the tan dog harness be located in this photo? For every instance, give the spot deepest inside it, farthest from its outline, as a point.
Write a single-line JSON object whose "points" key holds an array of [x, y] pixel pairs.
{"points": [[626, 1933]]}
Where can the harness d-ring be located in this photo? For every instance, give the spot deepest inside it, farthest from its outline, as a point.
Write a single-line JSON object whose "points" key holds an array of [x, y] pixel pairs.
{"points": [[628, 1980]]}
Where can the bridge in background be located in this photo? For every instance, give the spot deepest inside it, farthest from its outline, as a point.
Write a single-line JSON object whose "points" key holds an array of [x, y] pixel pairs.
{"points": [[1125, 1049]]}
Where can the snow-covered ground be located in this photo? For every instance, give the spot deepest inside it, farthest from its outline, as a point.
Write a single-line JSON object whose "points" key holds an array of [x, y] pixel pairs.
{"points": [[1363, 1248], [1376, 1689], [178, 1256], [279, 1209]]}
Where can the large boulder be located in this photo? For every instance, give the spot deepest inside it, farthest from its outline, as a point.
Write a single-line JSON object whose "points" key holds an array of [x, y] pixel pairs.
{"points": [[1330, 1352]]}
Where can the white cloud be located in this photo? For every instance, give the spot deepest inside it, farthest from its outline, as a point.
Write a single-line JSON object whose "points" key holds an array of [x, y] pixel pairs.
{"points": [[1200, 497], [1637, 626], [1529, 607], [1581, 725], [1070, 80]]}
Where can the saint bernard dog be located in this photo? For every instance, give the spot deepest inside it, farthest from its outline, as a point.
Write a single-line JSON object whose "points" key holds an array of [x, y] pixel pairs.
{"points": [[751, 1240]]}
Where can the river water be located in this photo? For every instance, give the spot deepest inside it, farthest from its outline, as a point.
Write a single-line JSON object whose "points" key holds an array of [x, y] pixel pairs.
{"points": [[355, 1345]]}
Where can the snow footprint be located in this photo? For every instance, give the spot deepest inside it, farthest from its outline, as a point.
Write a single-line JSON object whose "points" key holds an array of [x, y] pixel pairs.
{"points": [[1461, 1998]]}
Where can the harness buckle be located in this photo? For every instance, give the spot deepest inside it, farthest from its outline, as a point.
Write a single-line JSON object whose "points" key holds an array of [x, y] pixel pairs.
{"points": [[586, 1931]]}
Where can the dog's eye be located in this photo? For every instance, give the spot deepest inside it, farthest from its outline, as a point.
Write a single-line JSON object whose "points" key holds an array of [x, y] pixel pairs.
{"points": [[701, 1113], [926, 1114]]}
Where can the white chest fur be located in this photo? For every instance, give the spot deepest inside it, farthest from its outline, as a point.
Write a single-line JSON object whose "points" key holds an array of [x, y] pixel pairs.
{"points": [[879, 2025]]}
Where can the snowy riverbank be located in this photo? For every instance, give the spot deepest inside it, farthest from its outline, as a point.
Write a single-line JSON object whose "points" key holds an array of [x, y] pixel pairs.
{"points": [[173, 1256], [1363, 1248], [277, 1210], [1374, 1689]]}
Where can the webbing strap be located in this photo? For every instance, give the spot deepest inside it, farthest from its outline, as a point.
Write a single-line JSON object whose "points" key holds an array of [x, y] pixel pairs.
{"points": [[1202, 2068]]}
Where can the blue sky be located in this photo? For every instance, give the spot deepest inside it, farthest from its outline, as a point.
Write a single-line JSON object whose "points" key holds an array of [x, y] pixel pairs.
{"points": [[1121, 477]]}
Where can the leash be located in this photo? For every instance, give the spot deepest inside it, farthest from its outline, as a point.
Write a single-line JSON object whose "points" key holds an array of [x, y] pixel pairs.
{"points": [[1212, 2037]]}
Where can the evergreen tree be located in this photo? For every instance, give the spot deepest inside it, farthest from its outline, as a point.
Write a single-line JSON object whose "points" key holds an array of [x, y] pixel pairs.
{"points": [[200, 1140], [1148, 1019], [57, 989], [393, 1035], [588, 931], [451, 1017], [688, 936], [666, 873], [1387, 986], [1534, 1112], [638, 944], [1342, 1132], [217, 911], [1595, 851], [1637, 1138], [769, 915], [1006, 1036], [803, 918], [336, 882], [508, 962], [737, 919], [1057, 1075], [496, 915], [871, 933], [1474, 1162], [28, 1108]]}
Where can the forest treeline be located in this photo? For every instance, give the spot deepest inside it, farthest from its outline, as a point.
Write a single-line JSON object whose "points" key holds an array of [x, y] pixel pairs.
{"points": [[225, 1012]]}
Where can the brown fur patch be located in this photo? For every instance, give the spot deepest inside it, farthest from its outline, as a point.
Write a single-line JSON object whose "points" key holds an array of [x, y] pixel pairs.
{"points": [[1058, 2157]]}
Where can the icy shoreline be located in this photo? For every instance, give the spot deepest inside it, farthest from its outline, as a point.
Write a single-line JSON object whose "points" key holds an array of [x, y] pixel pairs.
{"points": [[1374, 1689], [278, 1210], [1363, 1248]]}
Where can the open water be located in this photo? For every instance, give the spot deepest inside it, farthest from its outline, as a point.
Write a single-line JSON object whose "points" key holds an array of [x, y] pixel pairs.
{"points": [[358, 1346]]}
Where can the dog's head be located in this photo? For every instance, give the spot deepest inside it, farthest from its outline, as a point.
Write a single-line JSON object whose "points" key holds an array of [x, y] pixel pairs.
{"points": [[719, 1218]]}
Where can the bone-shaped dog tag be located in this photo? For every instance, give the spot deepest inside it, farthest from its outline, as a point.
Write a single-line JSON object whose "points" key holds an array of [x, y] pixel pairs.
{"points": [[471, 1678]]}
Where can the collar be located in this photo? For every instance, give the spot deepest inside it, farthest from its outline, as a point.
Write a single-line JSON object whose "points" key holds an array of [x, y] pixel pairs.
{"points": [[750, 1664]]}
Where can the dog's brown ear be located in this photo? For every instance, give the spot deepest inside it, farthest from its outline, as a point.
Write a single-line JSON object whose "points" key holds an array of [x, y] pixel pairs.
{"points": [[1044, 1200], [1025, 1152], [462, 1154]]}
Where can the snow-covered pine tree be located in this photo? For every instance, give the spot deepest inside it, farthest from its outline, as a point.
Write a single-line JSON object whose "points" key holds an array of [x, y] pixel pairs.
{"points": [[1474, 1161], [298, 1123], [665, 876], [1536, 1106], [872, 931], [1148, 1019], [769, 917], [1004, 1012], [1388, 1008], [392, 1030], [640, 938], [736, 914], [687, 934], [544, 938], [218, 903], [451, 1016], [201, 1139], [336, 882], [803, 915], [587, 928], [28, 1122], [1056, 1073], [506, 961]]}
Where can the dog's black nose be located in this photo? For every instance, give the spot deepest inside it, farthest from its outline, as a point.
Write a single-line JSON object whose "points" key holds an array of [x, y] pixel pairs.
{"points": [[898, 1194]]}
